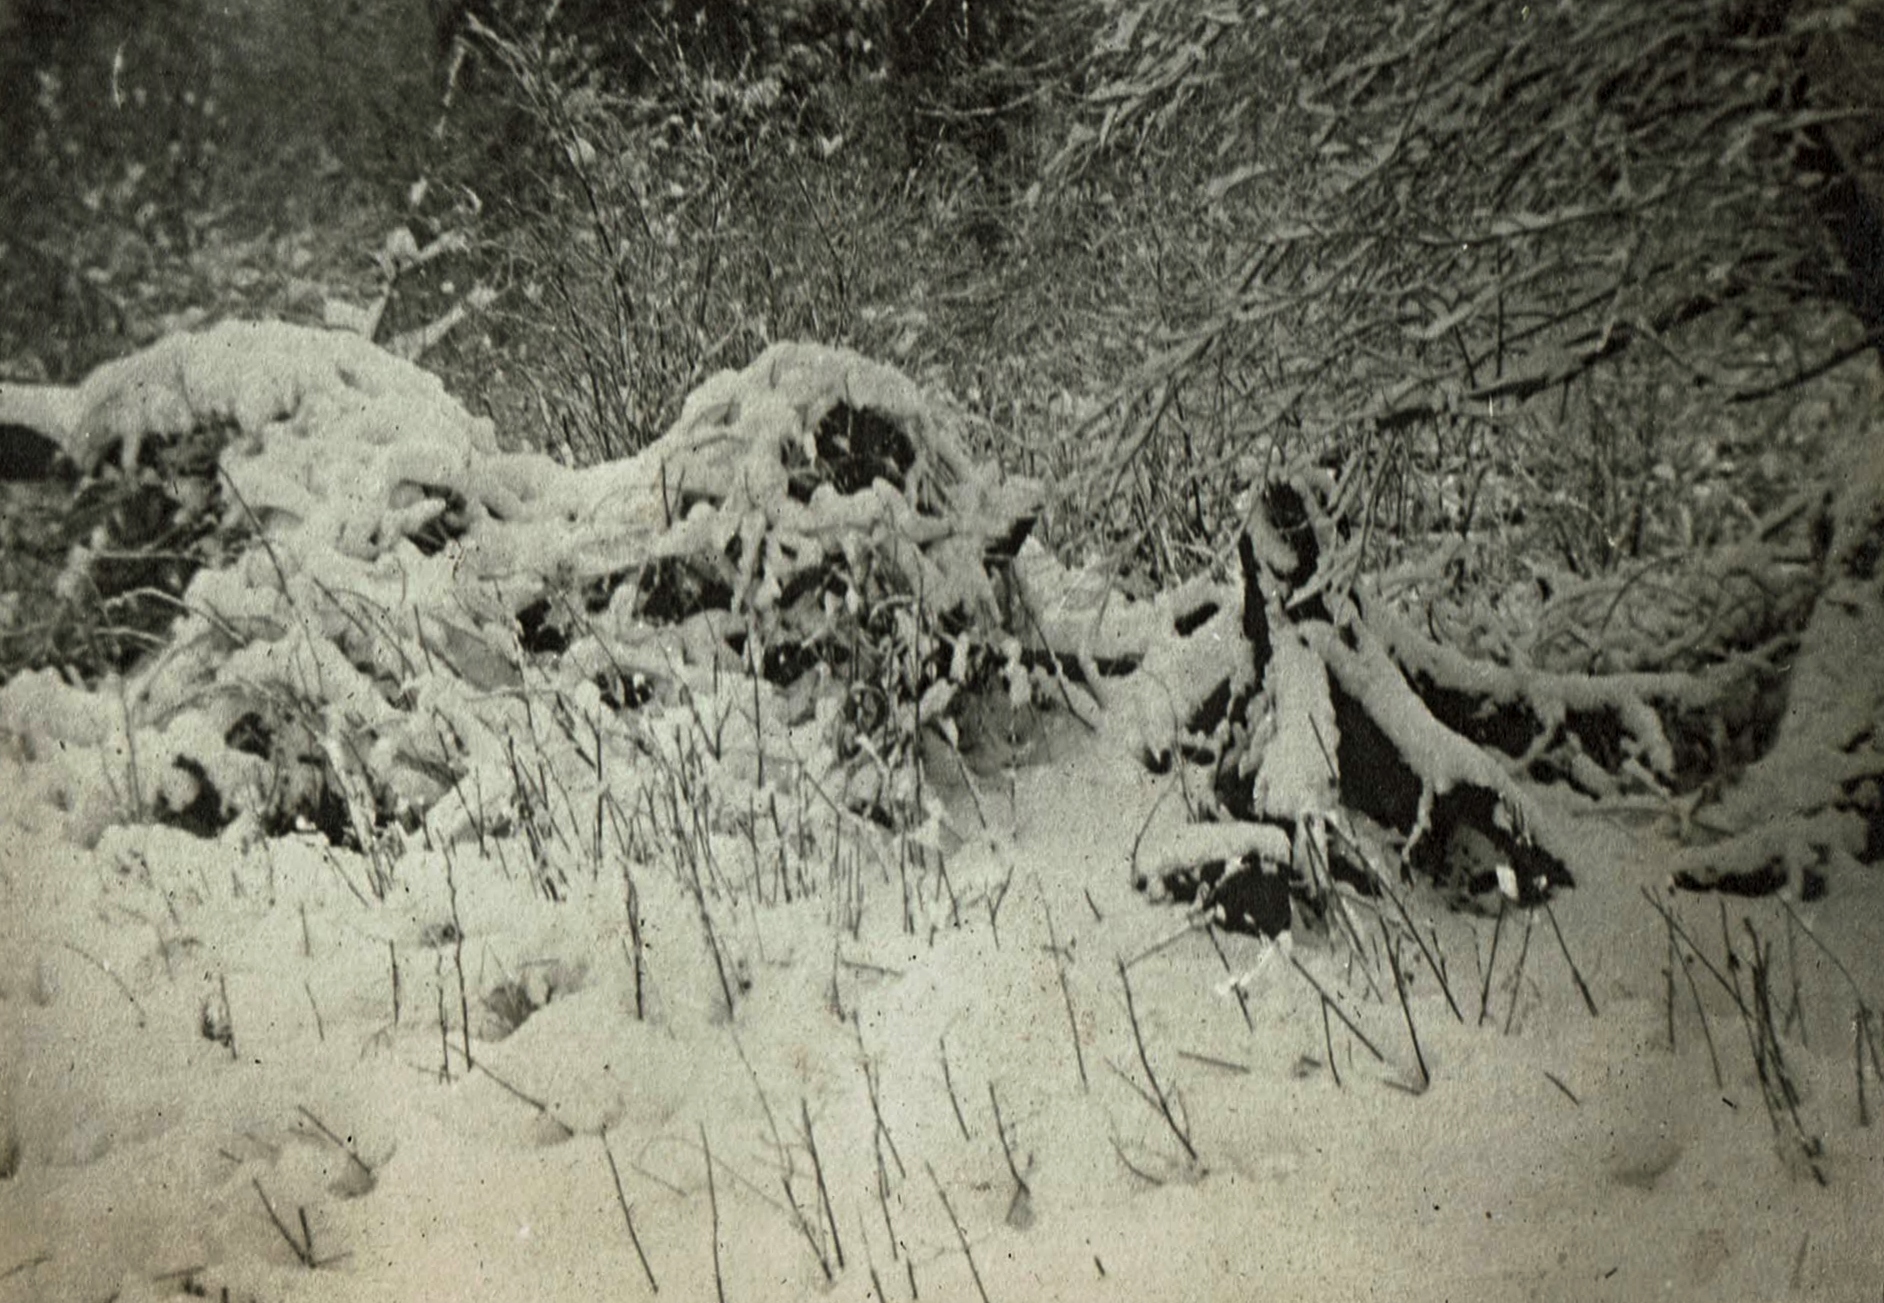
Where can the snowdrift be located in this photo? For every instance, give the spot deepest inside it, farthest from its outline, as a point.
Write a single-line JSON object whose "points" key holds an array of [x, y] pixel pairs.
{"points": [[409, 602]]}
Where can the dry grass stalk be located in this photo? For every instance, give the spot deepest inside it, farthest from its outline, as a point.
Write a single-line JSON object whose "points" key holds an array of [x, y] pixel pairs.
{"points": [[713, 1205], [1158, 1094], [1061, 957], [960, 1235]]}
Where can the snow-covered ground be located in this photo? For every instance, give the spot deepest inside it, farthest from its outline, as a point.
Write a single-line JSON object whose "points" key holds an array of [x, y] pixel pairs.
{"points": [[189, 1027], [624, 1000]]}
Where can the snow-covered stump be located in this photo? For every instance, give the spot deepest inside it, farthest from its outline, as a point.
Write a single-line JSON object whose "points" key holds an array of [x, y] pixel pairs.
{"points": [[1316, 745], [1333, 742]]}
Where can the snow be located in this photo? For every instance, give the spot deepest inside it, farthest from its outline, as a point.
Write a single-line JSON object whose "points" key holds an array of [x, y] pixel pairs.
{"points": [[481, 1049], [139, 1141]]}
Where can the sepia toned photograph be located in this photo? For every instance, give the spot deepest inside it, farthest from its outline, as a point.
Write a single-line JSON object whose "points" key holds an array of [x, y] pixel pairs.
{"points": [[897, 651]]}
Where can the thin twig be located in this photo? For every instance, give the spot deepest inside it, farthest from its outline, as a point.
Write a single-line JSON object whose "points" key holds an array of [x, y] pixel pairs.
{"points": [[303, 1249], [1242, 1069], [1158, 1091], [1707, 1030], [1589, 1001], [1066, 994], [101, 967], [628, 1214], [960, 1234], [1327, 1040], [1668, 983], [1007, 1150], [1857, 1062], [1406, 1010], [817, 1170], [524, 1097], [1517, 978], [713, 1203], [37, 1260], [1132, 1167], [1328, 1002], [1433, 963], [343, 1146], [457, 959], [1491, 961], [949, 1081]]}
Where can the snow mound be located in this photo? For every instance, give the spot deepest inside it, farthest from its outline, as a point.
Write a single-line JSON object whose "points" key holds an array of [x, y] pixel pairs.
{"points": [[411, 604]]}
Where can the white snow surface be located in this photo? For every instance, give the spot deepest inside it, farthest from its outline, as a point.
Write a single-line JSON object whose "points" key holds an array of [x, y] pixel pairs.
{"points": [[139, 1145]]}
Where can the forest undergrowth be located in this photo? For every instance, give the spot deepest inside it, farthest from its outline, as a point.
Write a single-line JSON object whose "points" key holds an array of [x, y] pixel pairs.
{"points": [[701, 461]]}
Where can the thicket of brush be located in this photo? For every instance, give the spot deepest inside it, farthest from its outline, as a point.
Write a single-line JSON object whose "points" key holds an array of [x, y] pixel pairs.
{"points": [[1561, 293], [1554, 299], [1530, 263]]}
